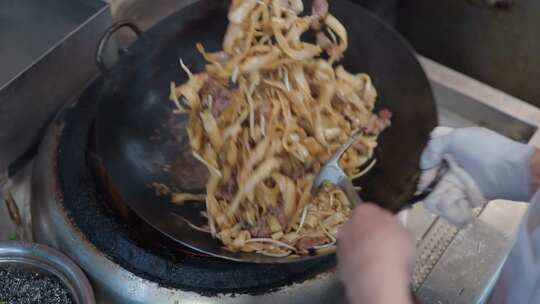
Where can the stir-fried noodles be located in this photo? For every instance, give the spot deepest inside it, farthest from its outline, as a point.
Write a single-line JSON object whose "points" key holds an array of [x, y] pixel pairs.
{"points": [[266, 113]]}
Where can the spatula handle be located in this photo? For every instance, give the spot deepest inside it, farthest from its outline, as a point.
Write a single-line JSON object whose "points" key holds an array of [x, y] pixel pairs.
{"points": [[347, 186]]}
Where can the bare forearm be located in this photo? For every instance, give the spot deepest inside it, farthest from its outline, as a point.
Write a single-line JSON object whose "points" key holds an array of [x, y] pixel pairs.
{"points": [[375, 253], [381, 285]]}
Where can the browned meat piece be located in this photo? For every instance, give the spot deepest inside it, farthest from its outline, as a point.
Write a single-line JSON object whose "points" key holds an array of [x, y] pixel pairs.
{"points": [[261, 231], [280, 214], [228, 194], [319, 10], [221, 102], [316, 166], [266, 109], [379, 123], [385, 114], [297, 173], [188, 172], [306, 243], [361, 148], [221, 96], [375, 125], [212, 86], [323, 41]]}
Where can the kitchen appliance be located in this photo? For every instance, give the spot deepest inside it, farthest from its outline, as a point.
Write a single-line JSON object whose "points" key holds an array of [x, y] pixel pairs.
{"points": [[72, 214]]}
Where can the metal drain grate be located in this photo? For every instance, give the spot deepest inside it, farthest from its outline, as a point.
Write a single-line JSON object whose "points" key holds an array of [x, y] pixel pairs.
{"points": [[432, 246]]}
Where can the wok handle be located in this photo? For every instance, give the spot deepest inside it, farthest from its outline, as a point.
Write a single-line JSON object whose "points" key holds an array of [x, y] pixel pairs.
{"points": [[443, 169], [107, 36], [347, 186]]}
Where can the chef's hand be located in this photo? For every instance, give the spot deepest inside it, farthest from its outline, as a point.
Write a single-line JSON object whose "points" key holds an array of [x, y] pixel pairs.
{"points": [[375, 253], [484, 165]]}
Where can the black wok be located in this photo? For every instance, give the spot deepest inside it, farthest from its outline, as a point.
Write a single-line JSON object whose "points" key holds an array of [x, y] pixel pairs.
{"points": [[138, 138]]}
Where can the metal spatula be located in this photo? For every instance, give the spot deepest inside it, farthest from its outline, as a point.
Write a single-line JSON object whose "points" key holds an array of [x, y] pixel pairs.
{"points": [[332, 173]]}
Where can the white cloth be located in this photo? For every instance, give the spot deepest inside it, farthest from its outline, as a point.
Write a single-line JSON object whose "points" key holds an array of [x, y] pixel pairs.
{"points": [[519, 282], [455, 196], [482, 161], [498, 165], [483, 165]]}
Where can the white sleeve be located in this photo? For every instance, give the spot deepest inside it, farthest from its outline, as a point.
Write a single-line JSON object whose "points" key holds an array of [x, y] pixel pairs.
{"points": [[519, 282]]}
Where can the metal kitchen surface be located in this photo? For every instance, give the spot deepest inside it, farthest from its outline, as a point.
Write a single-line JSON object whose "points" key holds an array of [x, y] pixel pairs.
{"points": [[24, 39], [453, 266], [46, 58]]}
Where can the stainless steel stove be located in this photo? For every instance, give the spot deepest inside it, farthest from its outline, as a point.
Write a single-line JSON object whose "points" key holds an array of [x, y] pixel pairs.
{"points": [[452, 267], [71, 212]]}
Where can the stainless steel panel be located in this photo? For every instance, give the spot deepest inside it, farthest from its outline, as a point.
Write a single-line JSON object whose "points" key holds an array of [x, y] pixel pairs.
{"points": [[146, 13], [52, 73], [29, 29]]}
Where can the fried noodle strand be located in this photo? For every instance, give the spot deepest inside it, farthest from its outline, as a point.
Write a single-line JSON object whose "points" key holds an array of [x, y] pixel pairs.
{"points": [[264, 115]]}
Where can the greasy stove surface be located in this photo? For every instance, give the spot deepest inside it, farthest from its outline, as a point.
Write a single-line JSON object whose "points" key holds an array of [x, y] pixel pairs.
{"points": [[88, 209]]}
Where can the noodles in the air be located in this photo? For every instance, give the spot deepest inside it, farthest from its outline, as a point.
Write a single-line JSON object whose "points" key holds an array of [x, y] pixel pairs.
{"points": [[265, 114]]}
